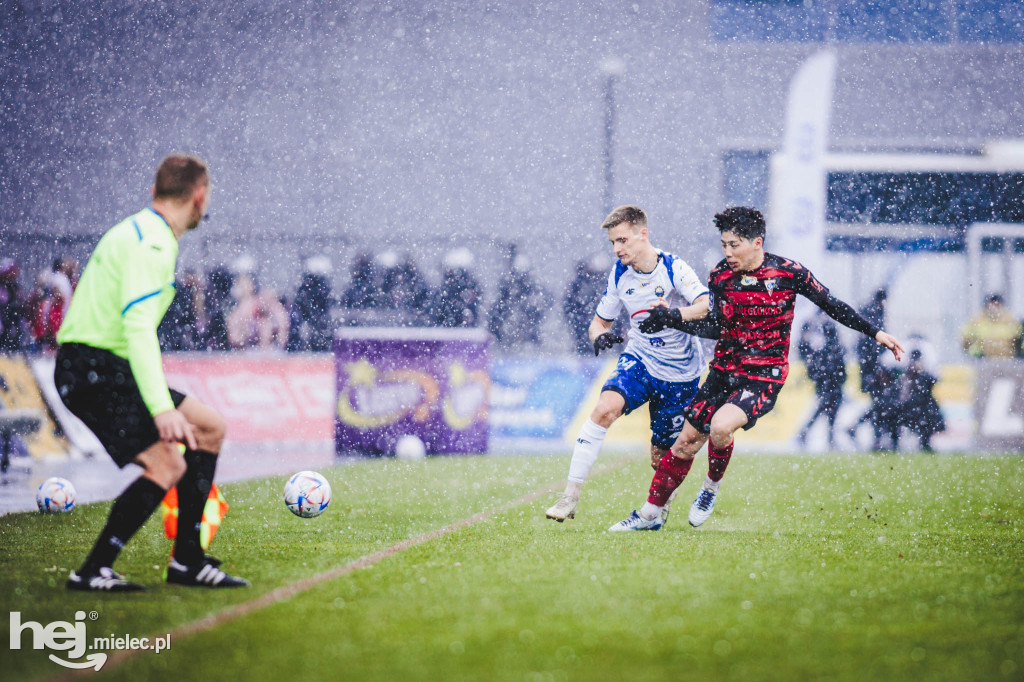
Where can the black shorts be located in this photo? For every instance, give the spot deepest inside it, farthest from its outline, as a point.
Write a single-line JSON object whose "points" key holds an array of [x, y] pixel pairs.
{"points": [[99, 388], [756, 397]]}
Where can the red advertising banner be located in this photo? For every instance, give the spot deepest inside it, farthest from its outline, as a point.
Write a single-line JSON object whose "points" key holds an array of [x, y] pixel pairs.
{"points": [[262, 397]]}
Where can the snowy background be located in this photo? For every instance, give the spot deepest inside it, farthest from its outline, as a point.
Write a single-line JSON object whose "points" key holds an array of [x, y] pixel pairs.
{"points": [[339, 127]]}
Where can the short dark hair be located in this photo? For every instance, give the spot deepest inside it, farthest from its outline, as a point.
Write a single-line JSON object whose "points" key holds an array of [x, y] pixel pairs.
{"points": [[744, 221], [634, 215], [178, 175]]}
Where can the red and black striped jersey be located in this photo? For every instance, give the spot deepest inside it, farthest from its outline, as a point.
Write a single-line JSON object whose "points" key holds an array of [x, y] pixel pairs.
{"points": [[753, 312]]}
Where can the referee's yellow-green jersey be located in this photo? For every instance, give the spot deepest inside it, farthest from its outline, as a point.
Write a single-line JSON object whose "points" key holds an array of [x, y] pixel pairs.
{"points": [[123, 294]]}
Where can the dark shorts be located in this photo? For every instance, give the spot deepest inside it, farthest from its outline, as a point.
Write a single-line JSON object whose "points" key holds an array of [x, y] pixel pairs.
{"points": [[755, 397], [666, 399], [99, 388]]}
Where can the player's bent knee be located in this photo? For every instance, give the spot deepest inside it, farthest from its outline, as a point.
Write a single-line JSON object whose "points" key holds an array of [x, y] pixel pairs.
{"points": [[211, 436], [609, 408], [605, 416], [722, 430], [163, 463]]}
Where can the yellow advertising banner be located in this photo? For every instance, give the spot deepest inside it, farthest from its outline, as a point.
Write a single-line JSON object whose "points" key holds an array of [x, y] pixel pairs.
{"points": [[19, 390]]}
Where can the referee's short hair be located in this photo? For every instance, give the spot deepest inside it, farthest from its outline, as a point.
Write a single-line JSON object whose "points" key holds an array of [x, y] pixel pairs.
{"points": [[634, 215], [743, 221], [178, 175]]}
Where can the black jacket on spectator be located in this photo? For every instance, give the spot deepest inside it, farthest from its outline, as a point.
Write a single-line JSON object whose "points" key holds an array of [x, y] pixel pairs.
{"points": [[311, 328]]}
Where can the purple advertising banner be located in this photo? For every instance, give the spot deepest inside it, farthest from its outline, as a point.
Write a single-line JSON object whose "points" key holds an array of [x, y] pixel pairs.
{"points": [[392, 382]]}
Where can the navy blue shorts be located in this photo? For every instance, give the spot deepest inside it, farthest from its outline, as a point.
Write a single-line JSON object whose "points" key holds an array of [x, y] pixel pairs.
{"points": [[667, 399]]}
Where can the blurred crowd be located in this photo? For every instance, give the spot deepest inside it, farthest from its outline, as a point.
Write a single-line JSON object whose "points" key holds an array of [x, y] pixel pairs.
{"points": [[228, 308], [901, 394]]}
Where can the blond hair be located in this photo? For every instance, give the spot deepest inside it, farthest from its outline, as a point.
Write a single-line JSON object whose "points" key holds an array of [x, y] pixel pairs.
{"points": [[634, 215]]}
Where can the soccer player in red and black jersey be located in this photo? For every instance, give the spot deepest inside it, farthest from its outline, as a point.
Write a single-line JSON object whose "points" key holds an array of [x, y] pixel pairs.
{"points": [[751, 315]]}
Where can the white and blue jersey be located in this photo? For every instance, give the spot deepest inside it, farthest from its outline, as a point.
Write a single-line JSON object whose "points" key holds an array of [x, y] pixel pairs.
{"points": [[669, 355]]}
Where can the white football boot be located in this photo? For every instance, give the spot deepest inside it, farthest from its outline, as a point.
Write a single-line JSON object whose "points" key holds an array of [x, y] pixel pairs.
{"points": [[564, 509], [636, 522], [702, 507]]}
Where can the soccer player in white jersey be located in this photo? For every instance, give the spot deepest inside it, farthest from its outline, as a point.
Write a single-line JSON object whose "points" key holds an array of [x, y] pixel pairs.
{"points": [[661, 369]]}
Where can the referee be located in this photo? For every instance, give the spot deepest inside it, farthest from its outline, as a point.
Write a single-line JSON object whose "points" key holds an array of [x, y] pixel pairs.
{"points": [[109, 374]]}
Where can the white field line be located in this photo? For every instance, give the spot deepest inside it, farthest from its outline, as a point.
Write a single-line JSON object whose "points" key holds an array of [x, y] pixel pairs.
{"points": [[290, 590]]}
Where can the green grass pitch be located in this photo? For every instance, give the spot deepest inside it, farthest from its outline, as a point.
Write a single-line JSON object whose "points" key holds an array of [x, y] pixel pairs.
{"points": [[842, 567]]}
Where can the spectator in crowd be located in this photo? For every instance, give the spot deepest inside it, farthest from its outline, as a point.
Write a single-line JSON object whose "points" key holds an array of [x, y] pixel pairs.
{"points": [[404, 288], [185, 321], [516, 315], [583, 292], [457, 301], [993, 332], [258, 319], [918, 409], [12, 308], [46, 309], [825, 360], [310, 327], [218, 302], [364, 287], [66, 268], [868, 355], [884, 415]]}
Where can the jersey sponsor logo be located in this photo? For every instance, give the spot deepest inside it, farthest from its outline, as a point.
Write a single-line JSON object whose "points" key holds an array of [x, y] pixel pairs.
{"points": [[758, 310], [756, 335], [748, 280], [727, 310], [645, 284], [769, 284]]}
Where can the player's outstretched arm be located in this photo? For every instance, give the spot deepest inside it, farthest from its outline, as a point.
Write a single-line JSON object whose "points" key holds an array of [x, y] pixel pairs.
{"points": [[697, 310], [890, 342]]}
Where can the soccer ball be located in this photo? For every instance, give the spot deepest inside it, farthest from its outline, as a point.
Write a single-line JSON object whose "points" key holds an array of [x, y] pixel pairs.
{"points": [[307, 494], [56, 495], [410, 447]]}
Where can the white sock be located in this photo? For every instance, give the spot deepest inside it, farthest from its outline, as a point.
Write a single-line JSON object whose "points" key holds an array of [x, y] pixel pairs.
{"points": [[711, 485], [649, 511], [584, 454]]}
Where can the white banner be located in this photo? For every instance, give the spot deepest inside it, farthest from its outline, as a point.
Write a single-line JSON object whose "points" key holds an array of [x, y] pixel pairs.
{"points": [[796, 216], [999, 405]]}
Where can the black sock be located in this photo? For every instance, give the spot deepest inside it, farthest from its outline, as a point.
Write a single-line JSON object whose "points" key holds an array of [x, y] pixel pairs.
{"points": [[193, 491], [130, 511]]}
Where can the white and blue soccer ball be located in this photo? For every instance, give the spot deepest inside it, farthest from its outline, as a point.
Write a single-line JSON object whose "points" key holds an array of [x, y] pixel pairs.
{"points": [[307, 494], [56, 495], [410, 447]]}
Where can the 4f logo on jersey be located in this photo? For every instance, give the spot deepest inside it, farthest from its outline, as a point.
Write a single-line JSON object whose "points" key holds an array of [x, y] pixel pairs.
{"points": [[769, 284], [629, 292], [748, 280]]}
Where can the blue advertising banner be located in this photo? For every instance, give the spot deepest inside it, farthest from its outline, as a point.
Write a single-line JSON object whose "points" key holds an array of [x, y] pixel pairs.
{"points": [[430, 383], [537, 398]]}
